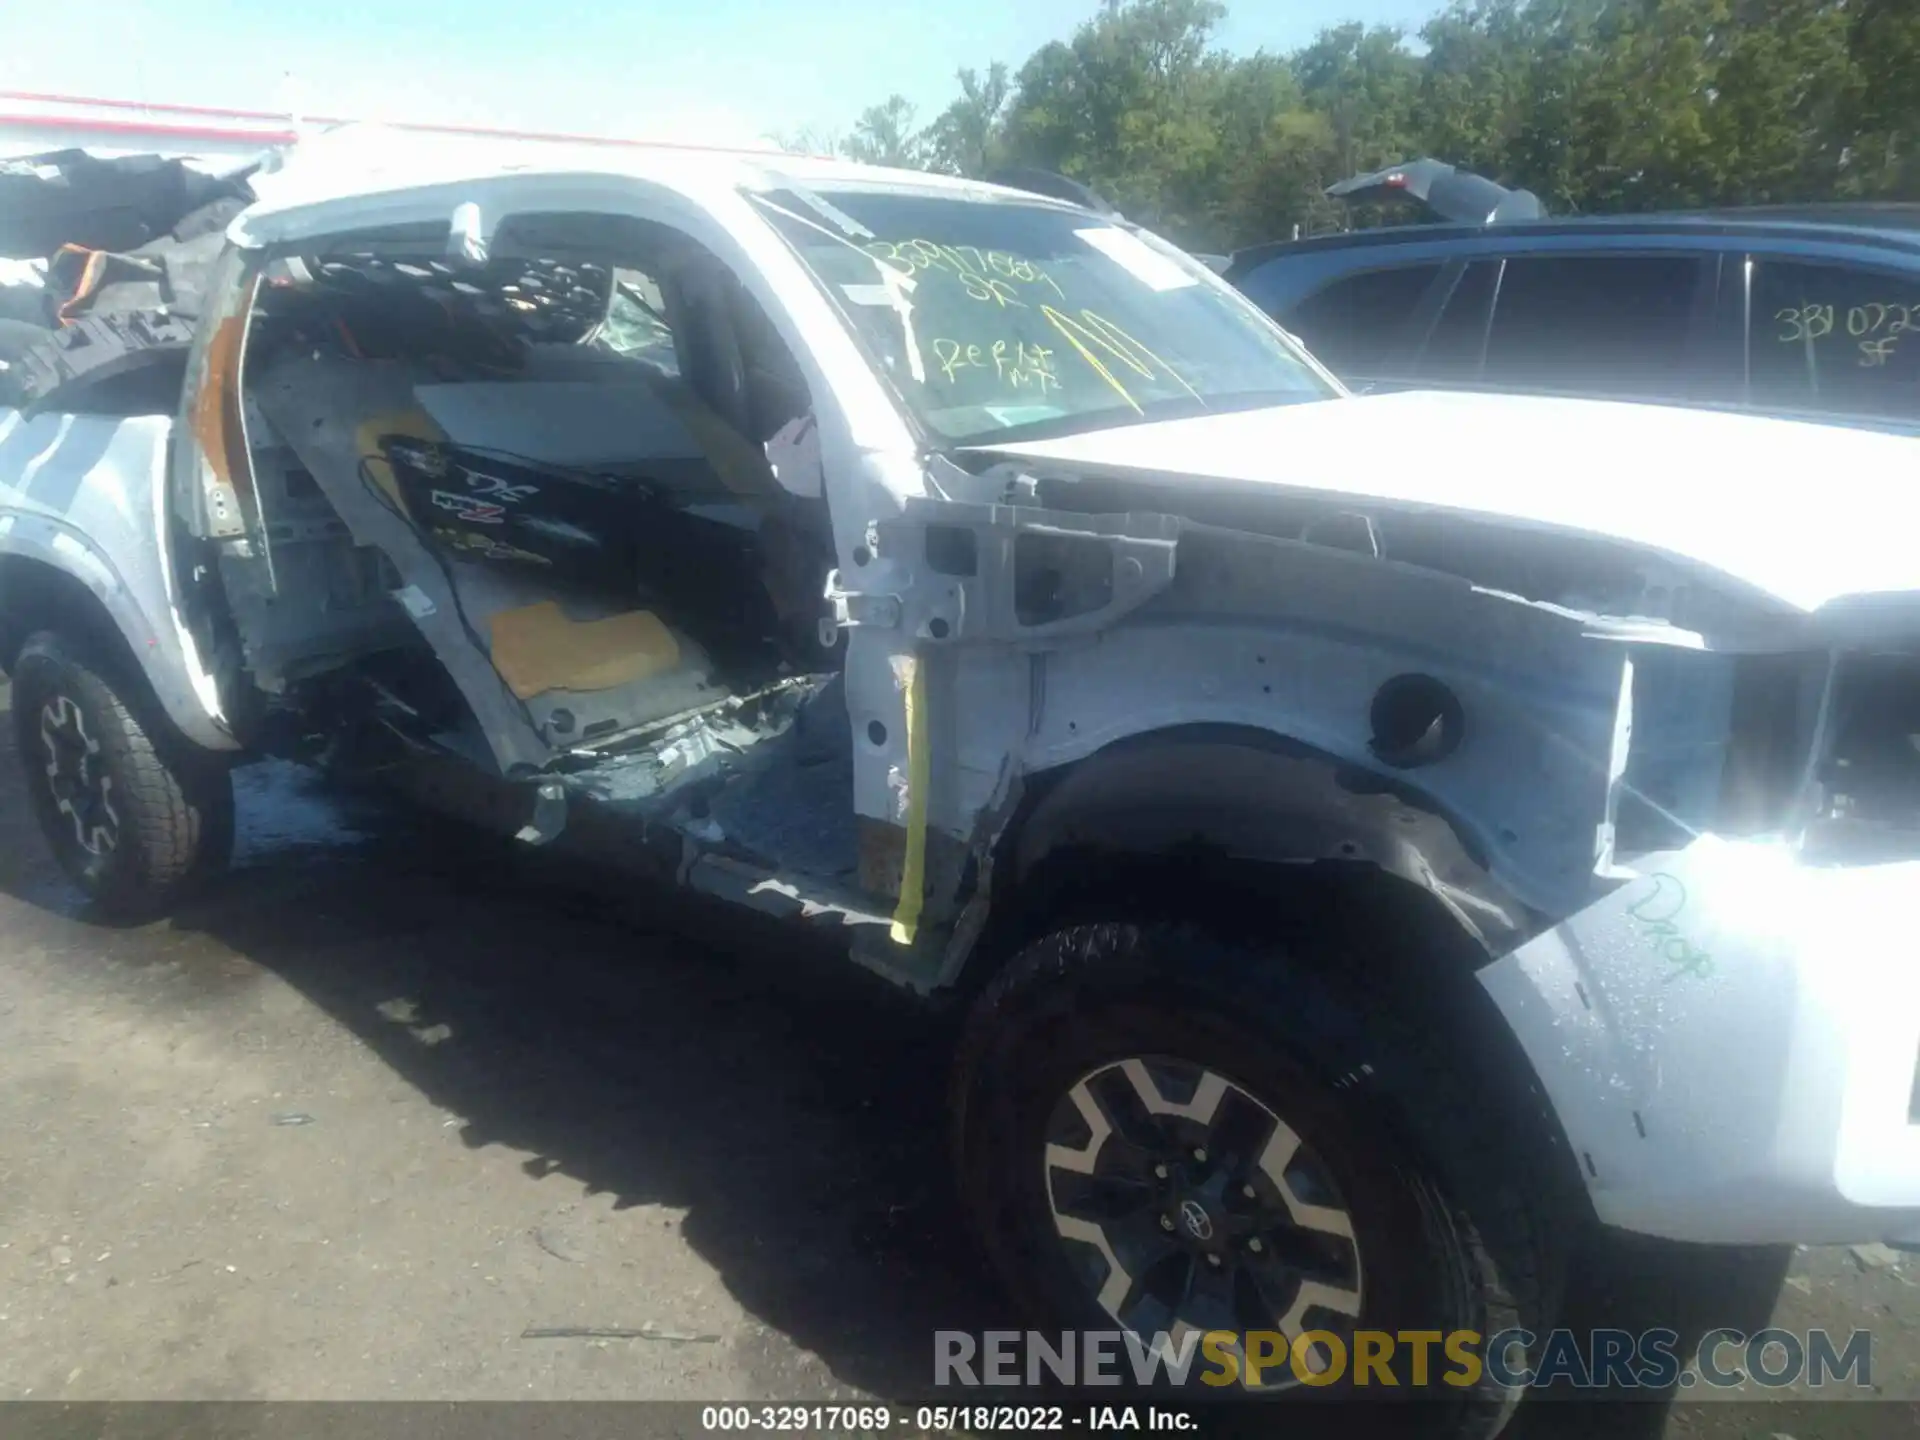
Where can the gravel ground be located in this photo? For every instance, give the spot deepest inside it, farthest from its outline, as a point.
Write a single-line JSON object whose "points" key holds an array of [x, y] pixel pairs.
{"points": [[384, 1101]]}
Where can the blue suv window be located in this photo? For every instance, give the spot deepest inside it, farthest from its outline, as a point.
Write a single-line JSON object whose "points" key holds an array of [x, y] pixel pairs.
{"points": [[1456, 347], [1593, 324], [1350, 324], [1830, 338]]}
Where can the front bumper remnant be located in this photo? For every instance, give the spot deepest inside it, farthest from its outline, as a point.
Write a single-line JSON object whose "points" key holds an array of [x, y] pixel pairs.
{"points": [[1730, 1041]]}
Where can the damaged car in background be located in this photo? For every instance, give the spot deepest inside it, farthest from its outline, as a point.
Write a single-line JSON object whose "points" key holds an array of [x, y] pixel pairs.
{"points": [[91, 245], [1378, 839]]}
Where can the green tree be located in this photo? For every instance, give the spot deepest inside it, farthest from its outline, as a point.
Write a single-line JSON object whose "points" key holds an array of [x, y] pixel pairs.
{"points": [[964, 140], [885, 135], [1882, 110], [1475, 82], [1595, 105], [1274, 158], [1126, 106], [1364, 80], [1780, 81]]}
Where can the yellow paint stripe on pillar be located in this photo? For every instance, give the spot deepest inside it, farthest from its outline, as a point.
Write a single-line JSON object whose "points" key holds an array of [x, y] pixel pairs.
{"points": [[913, 868]]}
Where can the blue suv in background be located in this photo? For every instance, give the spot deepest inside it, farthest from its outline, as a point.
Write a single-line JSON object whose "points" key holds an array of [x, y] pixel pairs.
{"points": [[1812, 312]]}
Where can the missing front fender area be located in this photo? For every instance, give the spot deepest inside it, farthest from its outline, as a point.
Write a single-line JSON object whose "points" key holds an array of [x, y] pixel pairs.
{"points": [[1002, 573], [1253, 798]]}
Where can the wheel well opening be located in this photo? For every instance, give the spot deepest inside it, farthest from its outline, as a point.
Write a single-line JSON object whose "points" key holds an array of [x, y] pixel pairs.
{"points": [[36, 596], [1352, 904], [1349, 918]]}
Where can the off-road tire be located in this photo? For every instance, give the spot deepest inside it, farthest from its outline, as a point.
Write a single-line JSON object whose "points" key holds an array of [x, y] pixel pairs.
{"points": [[171, 803], [1451, 1216]]}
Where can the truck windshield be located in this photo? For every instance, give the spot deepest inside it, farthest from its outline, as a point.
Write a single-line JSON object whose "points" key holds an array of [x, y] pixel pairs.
{"points": [[999, 321]]}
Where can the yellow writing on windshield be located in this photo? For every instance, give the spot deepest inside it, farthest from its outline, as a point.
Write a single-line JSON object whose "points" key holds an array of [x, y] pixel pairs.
{"points": [[1013, 363], [990, 276], [1094, 336]]}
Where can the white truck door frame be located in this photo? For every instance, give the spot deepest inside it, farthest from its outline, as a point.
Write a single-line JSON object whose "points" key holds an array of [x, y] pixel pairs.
{"points": [[867, 451]]}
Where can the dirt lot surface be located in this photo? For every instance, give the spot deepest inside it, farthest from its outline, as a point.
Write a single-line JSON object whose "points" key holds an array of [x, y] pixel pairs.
{"points": [[386, 1100]]}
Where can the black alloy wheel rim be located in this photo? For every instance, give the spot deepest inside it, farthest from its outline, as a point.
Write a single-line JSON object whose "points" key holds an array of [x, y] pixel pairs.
{"points": [[1185, 1203], [76, 776]]}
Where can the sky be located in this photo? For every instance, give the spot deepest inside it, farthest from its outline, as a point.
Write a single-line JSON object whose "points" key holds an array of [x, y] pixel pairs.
{"points": [[726, 71]]}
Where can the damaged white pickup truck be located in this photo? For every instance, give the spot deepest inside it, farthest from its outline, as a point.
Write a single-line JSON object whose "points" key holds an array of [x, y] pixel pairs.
{"points": [[1376, 836]]}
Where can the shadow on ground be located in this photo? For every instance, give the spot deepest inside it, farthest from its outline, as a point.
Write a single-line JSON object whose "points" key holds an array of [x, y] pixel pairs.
{"points": [[791, 1106]]}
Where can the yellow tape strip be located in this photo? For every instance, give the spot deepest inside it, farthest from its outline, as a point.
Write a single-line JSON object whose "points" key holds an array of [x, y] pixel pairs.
{"points": [[913, 869]]}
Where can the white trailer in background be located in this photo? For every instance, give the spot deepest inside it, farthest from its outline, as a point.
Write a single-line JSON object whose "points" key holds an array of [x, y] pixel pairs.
{"points": [[35, 122]]}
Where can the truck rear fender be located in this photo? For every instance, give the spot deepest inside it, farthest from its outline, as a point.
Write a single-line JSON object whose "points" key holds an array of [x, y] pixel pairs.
{"points": [[82, 514]]}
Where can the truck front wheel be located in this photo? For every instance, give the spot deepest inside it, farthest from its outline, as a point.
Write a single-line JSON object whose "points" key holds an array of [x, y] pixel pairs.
{"points": [[1161, 1133], [135, 815]]}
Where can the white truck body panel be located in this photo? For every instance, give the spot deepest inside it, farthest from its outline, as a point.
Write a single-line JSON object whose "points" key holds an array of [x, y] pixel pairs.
{"points": [[1760, 1097], [1805, 514], [1729, 1040], [85, 494]]}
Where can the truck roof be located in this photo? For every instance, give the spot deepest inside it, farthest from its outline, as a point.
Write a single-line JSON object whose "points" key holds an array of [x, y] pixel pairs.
{"points": [[346, 166]]}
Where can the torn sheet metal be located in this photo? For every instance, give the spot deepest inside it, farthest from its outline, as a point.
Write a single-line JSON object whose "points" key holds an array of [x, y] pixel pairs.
{"points": [[99, 348], [682, 749], [1106, 566]]}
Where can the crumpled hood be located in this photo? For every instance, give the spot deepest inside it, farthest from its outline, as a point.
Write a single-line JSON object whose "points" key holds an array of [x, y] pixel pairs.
{"points": [[1807, 513]]}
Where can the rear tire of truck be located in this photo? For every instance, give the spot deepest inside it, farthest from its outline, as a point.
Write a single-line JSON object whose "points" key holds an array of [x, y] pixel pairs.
{"points": [[136, 815], [1157, 1130]]}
